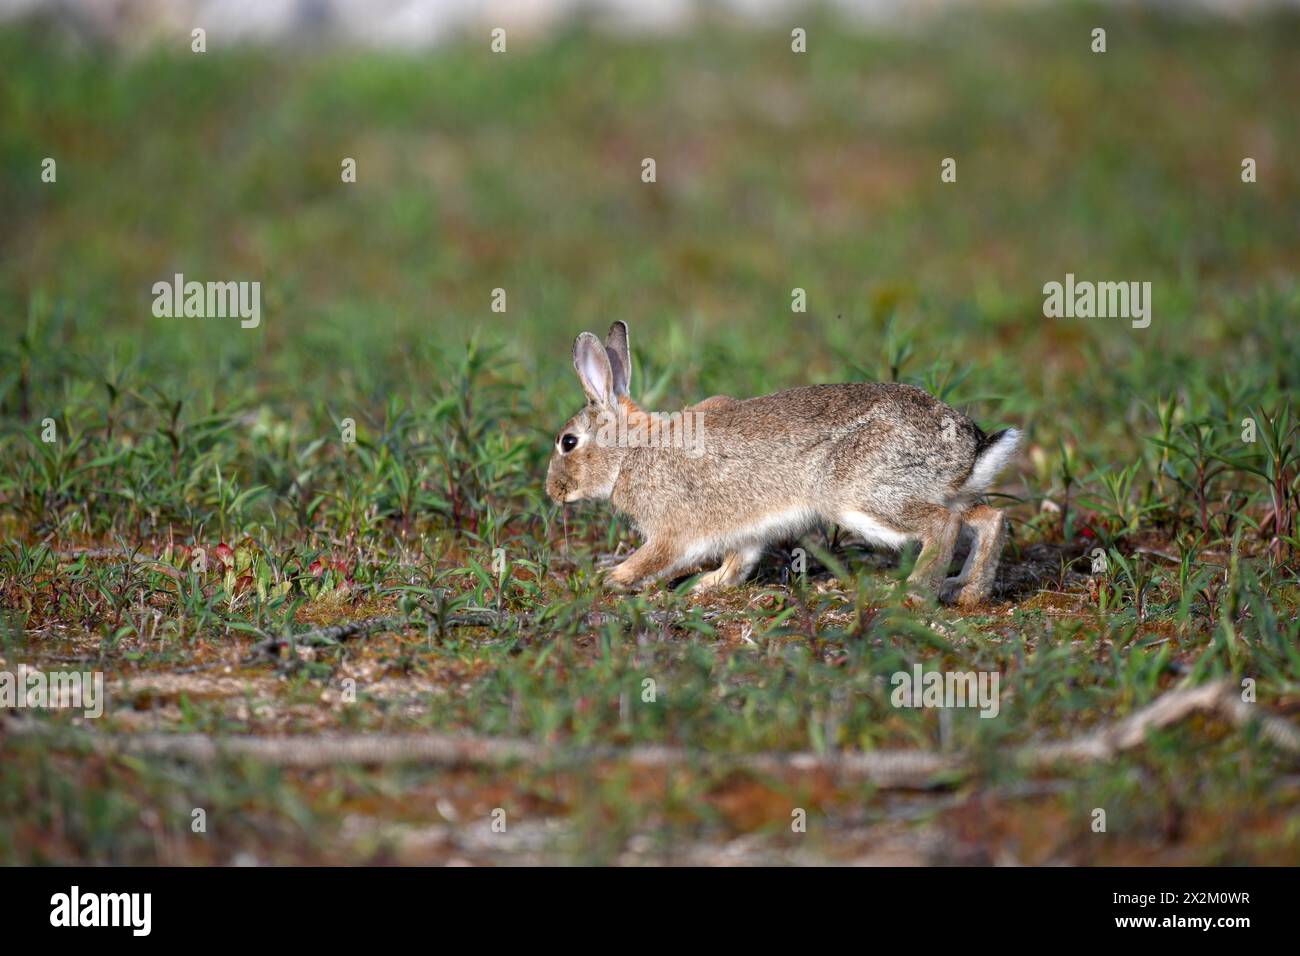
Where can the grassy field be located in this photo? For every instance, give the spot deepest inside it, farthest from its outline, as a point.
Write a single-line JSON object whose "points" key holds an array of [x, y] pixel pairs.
{"points": [[522, 172]]}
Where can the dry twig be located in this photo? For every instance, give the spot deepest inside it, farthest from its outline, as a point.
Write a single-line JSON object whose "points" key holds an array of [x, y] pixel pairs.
{"points": [[889, 769]]}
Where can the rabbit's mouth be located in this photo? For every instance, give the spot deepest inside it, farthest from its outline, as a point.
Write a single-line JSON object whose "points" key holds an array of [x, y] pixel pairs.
{"points": [[563, 494], [557, 491]]}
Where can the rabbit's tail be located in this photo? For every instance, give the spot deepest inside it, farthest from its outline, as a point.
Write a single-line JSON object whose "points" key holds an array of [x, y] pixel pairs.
{"points": [[992, 456]]}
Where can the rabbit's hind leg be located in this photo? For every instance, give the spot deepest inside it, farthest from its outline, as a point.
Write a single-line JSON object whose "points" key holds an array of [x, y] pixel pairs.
{"points": [[975, 582], [950, 588], [937, 527], [735, 567]]}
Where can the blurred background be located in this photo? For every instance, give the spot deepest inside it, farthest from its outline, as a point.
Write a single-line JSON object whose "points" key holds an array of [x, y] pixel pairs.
{"points": [[775, 170]]}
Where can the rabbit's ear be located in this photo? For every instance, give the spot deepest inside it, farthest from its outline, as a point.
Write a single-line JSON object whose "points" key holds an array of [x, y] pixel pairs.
{"points": [[620, 360], [591, 362]]}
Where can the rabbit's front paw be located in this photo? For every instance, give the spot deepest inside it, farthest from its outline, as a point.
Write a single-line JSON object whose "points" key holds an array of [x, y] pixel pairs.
{"points": [[709, 582], [736, 566], [618, 586], [621, 579]]}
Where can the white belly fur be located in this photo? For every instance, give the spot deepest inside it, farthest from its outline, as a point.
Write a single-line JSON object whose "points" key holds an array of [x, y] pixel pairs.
{"points": [[766, 529]]}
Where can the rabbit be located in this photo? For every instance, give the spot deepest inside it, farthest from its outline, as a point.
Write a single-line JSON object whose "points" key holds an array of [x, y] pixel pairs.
{"points": [[723, 479]]}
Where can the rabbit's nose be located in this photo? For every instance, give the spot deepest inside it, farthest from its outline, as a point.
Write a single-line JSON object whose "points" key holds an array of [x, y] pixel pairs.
{"points": [[554, 489]]}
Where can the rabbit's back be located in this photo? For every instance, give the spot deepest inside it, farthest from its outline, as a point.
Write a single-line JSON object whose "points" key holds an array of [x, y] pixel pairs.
{"points": [[812, 448], [886, 430]]}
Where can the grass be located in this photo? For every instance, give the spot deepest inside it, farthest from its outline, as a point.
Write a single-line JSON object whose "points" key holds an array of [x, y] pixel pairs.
{"points": [[214, 454]]}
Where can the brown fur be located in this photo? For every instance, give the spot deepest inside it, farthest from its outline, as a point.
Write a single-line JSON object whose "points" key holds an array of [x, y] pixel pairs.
{"points": [[887, 461]]}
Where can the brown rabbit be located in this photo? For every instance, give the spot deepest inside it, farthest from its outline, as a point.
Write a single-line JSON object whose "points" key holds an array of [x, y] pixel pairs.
{"points": [[723, 479]]}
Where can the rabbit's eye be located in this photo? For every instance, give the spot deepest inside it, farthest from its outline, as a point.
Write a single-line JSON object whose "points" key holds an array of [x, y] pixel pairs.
{"points": [[568, 443]]}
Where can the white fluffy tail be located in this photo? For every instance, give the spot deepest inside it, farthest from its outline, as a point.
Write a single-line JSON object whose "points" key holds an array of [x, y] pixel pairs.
{"points": [[990, 461]]}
